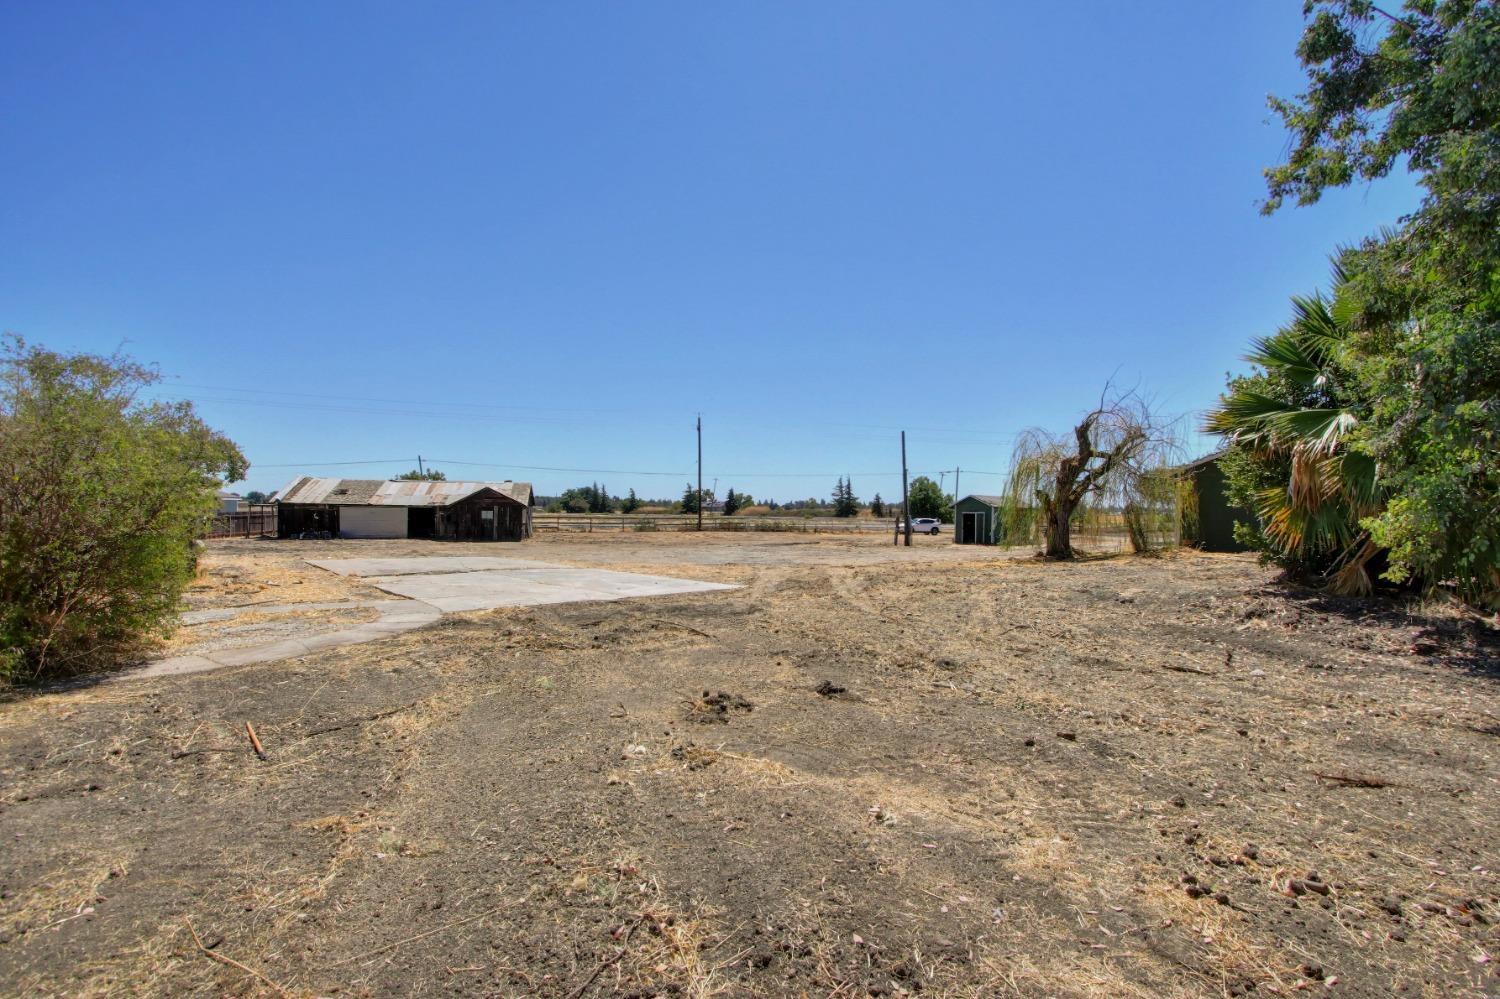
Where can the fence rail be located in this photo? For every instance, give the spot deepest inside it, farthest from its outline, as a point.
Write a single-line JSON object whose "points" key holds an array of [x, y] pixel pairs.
{"points": [[711, 522], [256, 521]]}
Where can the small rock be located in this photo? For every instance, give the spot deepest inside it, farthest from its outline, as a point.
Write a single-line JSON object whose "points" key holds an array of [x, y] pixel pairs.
{"points": [[1178, 802], [1069, 736]]}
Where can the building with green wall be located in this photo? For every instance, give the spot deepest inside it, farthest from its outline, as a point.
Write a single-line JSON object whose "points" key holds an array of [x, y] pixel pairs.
{"points": [[1208, 521], [976, 520]]}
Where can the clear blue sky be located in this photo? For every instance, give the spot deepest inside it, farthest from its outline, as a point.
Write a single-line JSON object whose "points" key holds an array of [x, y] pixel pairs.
{"points": [[550, 234]]}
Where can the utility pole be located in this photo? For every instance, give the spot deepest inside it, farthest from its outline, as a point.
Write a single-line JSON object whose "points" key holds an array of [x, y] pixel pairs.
{"points": [[700, 471], [419, 465], [905, 507], [956, 497]]}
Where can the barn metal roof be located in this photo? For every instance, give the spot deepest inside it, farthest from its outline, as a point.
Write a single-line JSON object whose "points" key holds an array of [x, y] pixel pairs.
{"points": [[987, 500], [381, 492]]}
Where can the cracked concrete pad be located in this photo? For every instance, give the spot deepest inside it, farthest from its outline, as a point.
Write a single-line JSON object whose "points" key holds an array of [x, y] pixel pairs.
{"points": [[481, 583], [396, 616]]}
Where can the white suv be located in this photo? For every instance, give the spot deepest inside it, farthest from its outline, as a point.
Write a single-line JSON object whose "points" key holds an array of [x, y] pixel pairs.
{"points": [[923, 525]]}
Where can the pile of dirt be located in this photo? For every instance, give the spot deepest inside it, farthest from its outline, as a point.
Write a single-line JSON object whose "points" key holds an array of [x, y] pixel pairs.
{"points": [[716, 708]]}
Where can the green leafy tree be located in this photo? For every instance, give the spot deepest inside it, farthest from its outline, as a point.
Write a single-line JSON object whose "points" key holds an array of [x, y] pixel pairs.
{"points": [[428, 475], [926, 498], [101, 498], [631, 503], [1420, 86], [877, 506], [255, 496]]}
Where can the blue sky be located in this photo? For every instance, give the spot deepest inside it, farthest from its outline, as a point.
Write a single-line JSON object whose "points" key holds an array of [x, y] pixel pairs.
{"points": [[546, 236]]}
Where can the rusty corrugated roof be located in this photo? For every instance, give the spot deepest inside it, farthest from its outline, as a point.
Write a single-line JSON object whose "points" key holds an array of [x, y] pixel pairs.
{"points": [[381, 492]]}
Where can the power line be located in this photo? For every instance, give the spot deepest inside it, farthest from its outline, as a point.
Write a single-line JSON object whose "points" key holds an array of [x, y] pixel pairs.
{"points": [[324, 400]]}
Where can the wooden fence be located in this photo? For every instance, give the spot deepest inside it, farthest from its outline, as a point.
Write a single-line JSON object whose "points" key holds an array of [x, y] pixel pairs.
{"points": [[586, 522], [251, 522]]}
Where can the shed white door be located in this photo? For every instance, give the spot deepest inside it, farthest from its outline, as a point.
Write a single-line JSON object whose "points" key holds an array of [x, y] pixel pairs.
{"points": [[372, 521]]}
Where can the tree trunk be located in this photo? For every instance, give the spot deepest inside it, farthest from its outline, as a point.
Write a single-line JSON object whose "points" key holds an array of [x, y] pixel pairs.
{"points": [[1059, 516]]}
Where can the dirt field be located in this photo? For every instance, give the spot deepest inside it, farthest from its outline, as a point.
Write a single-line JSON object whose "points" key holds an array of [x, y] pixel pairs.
{"points": [[869, 771]]}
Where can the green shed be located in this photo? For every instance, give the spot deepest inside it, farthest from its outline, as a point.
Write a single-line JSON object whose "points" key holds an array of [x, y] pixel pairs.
{"points": [[976, 520], [1208, 522]]}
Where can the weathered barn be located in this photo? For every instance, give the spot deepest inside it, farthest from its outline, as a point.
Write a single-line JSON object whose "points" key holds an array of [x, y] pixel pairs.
{"points": [[376, 508], [1208, 518], [976, 520]]}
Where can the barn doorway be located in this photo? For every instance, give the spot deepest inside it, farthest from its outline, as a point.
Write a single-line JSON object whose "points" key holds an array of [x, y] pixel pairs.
{"points": [[421, 522], [973, 524]]}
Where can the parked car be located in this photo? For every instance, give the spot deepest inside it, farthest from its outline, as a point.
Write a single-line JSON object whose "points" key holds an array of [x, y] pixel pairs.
{"points": [[922, 525]]}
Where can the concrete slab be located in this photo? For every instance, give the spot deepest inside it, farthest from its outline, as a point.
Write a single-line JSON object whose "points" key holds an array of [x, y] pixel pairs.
{"points": [[531, 587], [435, 586], [465, 583], [396, 616], [419, 565]]}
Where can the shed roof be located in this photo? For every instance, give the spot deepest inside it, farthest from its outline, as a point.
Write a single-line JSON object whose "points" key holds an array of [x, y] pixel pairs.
{"points": [[404, 492], [1207, 459], [994, 501]]}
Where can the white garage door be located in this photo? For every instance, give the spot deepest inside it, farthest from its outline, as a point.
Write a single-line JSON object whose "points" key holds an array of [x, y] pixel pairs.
{"points": [[372, 522]]}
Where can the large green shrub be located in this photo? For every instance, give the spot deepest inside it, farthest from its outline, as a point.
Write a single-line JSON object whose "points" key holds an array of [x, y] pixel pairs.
{"points": [[101, 497]]}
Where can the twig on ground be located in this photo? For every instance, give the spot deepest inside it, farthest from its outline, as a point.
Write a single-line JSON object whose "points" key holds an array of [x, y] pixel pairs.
{"points": [[608, 961], [1355, 780], [365, 720], [684, 627], [422, 936], [178, 754], [255, 741], [222, 959]]}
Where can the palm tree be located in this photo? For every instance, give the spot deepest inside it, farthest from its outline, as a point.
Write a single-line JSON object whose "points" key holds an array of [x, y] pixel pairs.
{"points": [[1297, 413]]}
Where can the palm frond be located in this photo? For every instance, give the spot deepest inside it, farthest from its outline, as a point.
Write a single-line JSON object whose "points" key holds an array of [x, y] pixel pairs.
{"points": [[1285, 354]]}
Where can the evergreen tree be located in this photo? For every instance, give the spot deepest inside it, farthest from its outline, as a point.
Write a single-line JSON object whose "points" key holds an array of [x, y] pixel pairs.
{"points": [[630, 504], [877, 506], [689, 499], [731, 503], [845, 503]]}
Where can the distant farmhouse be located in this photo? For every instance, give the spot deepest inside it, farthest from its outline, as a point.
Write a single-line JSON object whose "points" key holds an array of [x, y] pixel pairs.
{"points": [[229, 502], [376, 508]]}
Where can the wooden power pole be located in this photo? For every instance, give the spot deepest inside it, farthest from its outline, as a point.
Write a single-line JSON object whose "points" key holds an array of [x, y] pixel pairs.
{"points": [[700, 473], [956, 497], [905, 507]]}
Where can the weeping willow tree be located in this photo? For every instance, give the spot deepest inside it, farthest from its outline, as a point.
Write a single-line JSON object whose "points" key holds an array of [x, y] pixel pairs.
{"points": [[1112, 472]]}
